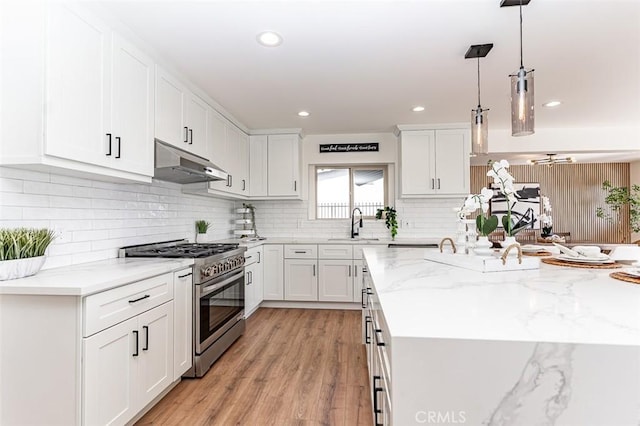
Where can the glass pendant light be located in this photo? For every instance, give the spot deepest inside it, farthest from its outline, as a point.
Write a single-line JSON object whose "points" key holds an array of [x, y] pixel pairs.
{"points": [[522, 89], [479, 116]]}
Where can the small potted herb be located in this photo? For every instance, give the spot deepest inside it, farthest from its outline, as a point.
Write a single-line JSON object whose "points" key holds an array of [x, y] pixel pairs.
{"points": [[22, 251], [202, 226]]}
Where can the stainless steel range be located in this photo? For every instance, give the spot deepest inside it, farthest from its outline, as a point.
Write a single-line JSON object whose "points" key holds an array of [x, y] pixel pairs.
{"points": [[218, 297]]}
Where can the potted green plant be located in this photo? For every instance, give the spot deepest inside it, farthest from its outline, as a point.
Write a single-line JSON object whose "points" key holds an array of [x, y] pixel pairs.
{"points": [[390, 219], [617, 198], [22, 251], [202, 226]]}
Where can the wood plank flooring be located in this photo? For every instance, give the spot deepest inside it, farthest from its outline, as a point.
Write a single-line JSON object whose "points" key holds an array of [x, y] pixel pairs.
{"points": [[291, 367]]}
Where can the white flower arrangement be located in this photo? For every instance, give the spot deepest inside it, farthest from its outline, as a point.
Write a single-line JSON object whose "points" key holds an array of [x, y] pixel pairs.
{"points": [[484, 224], [503, 179], [545, 218]]}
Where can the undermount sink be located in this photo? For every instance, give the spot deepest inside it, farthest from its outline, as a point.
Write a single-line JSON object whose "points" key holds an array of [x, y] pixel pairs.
{"points": [[354, 239]]}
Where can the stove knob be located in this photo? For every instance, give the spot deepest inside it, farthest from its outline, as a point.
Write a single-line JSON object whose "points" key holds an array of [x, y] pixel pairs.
{"points": [[215, 269], [207, 272]]}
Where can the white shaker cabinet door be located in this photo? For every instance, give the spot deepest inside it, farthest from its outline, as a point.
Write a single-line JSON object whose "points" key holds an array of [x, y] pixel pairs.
{"points": [[156, 352], [131, 109], [170, 114], [300, 279], [417, 160], [283, 165], [182, 322], [197, 125], [273, 272], [335, 280], [110, 369], [78, 85], [452, 161]]}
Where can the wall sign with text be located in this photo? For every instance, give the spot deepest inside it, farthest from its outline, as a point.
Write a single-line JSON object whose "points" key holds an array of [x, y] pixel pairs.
{"points": [[349, 147]]}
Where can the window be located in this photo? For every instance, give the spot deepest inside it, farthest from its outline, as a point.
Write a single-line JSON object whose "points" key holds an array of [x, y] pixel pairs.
{"points": [[340, 189]]}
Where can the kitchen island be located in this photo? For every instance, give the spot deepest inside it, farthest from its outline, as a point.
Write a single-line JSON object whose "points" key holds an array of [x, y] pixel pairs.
{"points": [[554, 346]]}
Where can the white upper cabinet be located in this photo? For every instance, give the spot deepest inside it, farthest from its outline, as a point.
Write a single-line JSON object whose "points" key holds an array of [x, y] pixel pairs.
{"points": [[181, 115], [131, 108], [434, 162], [86, 104], [258, 165], [170, 117], [275, 166], [78, 86], [217, 139]]}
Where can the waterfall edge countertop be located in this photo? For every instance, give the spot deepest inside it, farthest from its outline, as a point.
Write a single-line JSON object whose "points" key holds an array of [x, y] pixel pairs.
{"points": [[424, 299], [92, 277]]}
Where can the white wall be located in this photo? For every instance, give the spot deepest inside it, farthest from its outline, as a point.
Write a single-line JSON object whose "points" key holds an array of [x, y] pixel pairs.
{"points": [[94, 218], [571, 140], [634, 178]]}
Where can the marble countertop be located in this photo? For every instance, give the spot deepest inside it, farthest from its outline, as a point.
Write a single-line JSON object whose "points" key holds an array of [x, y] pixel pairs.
{"points": [[425, 299], [93, 277]]}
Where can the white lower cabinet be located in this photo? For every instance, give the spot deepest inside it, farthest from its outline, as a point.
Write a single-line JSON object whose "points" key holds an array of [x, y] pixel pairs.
{"points": [[273, 273], [182, 322], [300, 279], [127, 365], [253, 280], [335, 282]]}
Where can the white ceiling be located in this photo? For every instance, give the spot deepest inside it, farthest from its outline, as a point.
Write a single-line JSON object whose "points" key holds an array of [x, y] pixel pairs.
{"points": [[360, 66]]}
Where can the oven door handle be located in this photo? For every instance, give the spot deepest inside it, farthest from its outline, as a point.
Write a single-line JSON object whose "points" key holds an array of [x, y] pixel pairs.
{"points": [[213, 287]]}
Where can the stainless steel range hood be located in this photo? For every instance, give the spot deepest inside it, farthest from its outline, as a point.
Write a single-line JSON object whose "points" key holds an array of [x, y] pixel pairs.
{"points": [[175, 165]]}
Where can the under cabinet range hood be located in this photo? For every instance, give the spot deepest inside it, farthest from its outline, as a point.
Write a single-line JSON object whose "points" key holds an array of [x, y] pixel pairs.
{"points": [[175, 165]]}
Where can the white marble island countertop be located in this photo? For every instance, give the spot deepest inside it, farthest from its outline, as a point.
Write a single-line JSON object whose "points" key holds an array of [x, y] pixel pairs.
{"points": [[425, 299], [93, 277]]}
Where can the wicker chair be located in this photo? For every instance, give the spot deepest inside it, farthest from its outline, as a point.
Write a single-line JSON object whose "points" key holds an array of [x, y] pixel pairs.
{"points": [[496, 237], [526, 236]]}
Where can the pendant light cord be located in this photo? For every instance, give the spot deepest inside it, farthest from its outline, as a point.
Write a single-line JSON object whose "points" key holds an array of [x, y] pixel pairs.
{"points": [[478, 82], [521, 66]]}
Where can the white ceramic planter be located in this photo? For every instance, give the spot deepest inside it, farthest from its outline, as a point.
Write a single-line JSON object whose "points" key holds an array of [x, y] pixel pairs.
{"points": [[20, 268], [483, 247]]}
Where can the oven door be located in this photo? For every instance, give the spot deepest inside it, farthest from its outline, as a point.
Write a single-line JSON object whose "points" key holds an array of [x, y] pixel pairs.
{"points": [[220, 305]]}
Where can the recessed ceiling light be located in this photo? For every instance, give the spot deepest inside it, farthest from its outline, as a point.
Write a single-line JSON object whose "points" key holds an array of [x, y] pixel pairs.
{"points": [[303, 113], [551, 104], [269, 39], [418, 108]]}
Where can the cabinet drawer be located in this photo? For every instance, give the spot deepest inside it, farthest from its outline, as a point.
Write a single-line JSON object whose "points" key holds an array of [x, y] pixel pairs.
{"points": [[335, 251], [300, 251], [110, 307]]}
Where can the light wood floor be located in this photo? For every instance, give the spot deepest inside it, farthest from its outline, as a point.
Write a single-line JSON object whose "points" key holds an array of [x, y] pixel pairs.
{"points": [[291, 367]]}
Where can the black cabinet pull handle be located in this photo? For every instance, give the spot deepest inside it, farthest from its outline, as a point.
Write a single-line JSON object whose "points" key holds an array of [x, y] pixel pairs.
{"points": [[109, 147], [367, 321], [191, 136], [376, 409], [295, 185], [438, 183], [186, 134], [146, 338], [349, 270], [314, 270], [244, 185], [185, 275], [146, 296], [136, 334], [300, 251], [259, 257], [119, 147], [378, 342], [364, 291]]}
